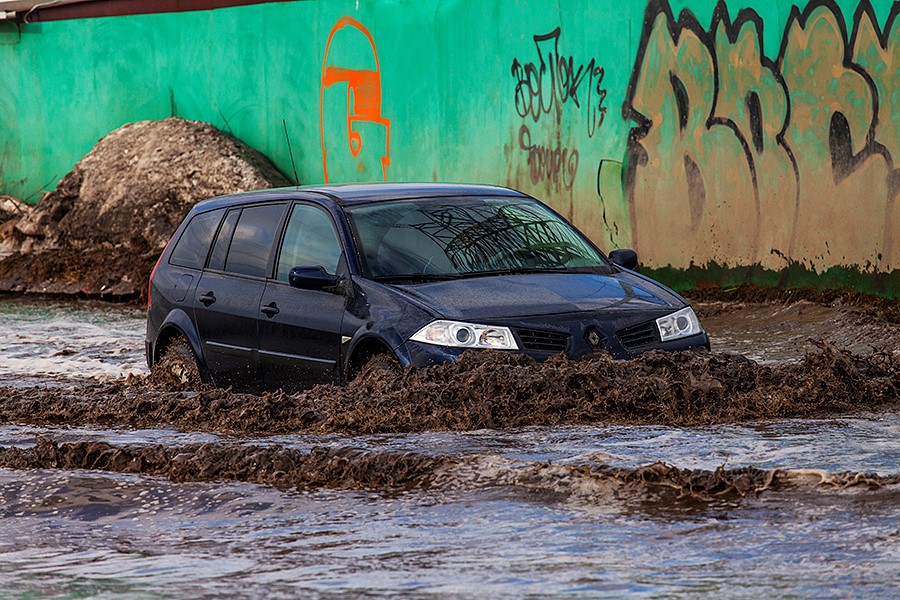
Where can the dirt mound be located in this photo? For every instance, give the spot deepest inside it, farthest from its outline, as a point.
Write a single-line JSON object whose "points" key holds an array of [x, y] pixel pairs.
{"points": [[494, 390], [100, 231], [12, 209], [353, 468]]}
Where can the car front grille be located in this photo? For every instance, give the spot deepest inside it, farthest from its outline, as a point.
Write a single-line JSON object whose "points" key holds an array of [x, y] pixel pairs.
{"points": [[638, 335], [543, 341]]}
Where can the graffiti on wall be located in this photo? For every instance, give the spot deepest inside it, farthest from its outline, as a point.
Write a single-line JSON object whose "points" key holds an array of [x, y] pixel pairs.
{"points": [[556, 165], [355, 135], [545, 84], [741, 159]]}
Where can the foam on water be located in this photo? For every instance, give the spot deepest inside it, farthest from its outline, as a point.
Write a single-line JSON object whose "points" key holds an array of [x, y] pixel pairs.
{"points": [[40, 337]]}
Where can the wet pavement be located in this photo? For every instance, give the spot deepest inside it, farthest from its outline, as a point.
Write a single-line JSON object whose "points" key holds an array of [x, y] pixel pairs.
{"points": [[568, 510]]}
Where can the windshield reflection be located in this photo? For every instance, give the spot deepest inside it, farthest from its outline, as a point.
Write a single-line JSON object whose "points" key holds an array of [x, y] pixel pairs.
{"points": [[434, 239]]}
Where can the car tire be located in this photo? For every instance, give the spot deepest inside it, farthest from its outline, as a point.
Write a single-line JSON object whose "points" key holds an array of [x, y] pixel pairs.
{"points": [[381, 367], [177, 366]]}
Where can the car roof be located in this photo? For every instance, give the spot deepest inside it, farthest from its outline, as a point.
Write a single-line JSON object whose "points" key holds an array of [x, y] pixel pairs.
{"points": [[362, 193]]}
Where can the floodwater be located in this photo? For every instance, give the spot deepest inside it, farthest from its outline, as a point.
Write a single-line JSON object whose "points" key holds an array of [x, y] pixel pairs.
{"points": [[49, 339], [495, 513]]}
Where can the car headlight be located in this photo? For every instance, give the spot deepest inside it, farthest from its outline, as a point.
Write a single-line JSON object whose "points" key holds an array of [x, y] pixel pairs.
{"points": [[679, 324], [466, 335]]}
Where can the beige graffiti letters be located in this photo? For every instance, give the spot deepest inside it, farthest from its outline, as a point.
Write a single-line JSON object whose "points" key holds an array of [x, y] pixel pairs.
{"points": [[738, 159]]}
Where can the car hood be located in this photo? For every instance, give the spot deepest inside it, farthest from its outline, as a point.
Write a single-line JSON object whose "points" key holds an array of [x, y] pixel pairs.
{"points": [[506, 296]]}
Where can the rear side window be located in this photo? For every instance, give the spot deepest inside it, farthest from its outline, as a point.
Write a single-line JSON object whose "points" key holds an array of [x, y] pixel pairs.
{"points": [[252, 241], [193, 245]]}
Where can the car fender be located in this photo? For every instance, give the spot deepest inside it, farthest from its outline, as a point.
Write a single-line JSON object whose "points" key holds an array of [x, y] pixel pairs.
{"points": [[388, 338], [180, 320], [390, 317]]}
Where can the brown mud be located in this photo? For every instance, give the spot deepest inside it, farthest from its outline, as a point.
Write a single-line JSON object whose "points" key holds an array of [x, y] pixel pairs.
{"points": [[882, 308], [353, 468], [491, 390], [778, 332], [99, 233]]}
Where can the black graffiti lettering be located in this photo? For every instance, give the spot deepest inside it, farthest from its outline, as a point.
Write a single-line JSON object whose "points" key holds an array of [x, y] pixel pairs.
{"points": [[555, 165], [597, 114], [544, 87]]}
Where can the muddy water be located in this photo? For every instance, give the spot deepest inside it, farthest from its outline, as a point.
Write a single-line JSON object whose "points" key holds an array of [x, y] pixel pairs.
{"points": [[774, 332], [561, 511]]}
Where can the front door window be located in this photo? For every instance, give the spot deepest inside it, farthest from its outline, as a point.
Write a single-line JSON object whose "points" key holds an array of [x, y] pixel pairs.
{"points": [[309, 240]]}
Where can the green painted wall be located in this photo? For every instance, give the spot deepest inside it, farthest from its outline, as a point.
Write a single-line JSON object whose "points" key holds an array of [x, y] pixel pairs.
{"points": [[730, 134]]}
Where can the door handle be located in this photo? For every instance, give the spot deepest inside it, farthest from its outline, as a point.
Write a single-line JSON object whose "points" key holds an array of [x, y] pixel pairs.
{"points": [[207, 298], [270, 309]]}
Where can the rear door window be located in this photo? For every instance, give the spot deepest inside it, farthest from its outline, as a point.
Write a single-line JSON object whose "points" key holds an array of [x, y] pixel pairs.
{"points": [[193, 245], [309, 240], [223, 240], [251, 243]]}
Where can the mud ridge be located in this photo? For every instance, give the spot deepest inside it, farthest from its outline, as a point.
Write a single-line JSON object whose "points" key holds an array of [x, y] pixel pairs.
{"points": [[270, 465], [353, 468], [493, 390], [656, 481]]}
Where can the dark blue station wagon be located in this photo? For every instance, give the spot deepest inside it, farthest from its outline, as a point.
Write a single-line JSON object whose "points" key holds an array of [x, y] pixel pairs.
{"points": [[291, 287]]}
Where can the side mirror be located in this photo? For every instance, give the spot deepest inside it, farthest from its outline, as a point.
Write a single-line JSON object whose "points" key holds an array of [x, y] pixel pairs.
{"points": [[312, 278], [624, 257]]}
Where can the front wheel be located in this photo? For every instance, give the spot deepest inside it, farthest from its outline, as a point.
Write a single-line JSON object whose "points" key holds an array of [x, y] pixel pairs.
{"points": [[381, 367]]}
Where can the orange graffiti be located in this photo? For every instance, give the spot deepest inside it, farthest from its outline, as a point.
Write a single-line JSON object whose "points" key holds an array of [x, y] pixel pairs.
{"points": [[363, 100]]}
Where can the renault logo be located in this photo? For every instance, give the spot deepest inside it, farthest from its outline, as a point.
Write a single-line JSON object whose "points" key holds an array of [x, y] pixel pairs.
{"points": [[594, 338]]}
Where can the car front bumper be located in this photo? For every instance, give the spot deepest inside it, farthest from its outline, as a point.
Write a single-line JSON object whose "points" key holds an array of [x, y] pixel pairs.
{"points": [[420, 355]]}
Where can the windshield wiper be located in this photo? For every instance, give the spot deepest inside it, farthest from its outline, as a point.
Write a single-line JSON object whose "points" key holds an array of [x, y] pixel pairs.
{"points": [[518, 271], [416, 277], [428, 277]]}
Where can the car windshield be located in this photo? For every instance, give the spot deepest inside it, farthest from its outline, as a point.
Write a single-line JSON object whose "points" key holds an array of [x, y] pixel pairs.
{"points": [[448, 238]]}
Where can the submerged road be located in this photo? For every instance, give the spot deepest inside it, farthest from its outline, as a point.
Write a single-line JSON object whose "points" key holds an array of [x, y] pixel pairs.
{"points": [[105, 506]]}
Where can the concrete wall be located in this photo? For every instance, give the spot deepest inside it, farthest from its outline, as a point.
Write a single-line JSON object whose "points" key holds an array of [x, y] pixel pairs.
{"points": [[752, 139]]}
